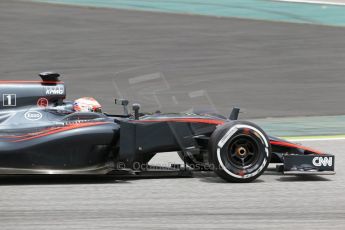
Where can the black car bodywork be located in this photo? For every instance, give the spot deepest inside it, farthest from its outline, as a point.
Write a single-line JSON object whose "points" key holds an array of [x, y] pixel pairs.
{"points": [[41, 134]]}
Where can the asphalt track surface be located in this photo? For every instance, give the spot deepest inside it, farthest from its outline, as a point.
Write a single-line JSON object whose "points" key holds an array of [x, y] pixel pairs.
{"points": [[267, 68], [272, 202], [270, 69]]}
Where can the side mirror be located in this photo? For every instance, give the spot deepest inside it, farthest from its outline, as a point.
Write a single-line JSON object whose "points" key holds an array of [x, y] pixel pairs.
{"points": [[136, 108]]}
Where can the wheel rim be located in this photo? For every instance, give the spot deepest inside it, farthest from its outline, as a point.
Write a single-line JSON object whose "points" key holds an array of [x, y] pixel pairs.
{"points": [[243, 152]]}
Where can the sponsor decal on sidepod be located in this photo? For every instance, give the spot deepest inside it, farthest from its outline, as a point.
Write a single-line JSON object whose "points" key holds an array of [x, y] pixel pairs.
{"points": [[33, 115]]}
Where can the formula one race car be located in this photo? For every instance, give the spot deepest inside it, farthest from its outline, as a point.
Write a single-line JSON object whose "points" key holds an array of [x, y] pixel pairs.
{"points": [[41, 133]]}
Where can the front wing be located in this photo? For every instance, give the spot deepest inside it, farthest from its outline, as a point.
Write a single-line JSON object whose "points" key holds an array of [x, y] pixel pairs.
{"points": [[311, 164]]}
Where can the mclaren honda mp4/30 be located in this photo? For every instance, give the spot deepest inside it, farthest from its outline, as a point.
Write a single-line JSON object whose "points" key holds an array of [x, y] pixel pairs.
{"points": [[40, 133]]}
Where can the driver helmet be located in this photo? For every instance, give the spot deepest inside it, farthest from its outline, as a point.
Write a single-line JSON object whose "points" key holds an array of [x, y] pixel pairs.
{"points": [[87, 104]]}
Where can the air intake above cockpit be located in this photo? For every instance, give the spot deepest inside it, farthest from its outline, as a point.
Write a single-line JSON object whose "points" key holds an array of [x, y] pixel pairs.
{"points": [[49, 76]]}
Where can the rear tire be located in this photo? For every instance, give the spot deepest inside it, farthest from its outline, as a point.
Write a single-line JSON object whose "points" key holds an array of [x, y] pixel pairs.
{"points": [[240, 151]]}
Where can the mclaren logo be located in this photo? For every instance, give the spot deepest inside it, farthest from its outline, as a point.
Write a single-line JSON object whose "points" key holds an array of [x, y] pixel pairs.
{"points": [[322, 161], [55, 90]]}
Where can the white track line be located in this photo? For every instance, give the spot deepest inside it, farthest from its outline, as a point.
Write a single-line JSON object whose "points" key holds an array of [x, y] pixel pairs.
{"points": [[315, 2], [318, 139]]}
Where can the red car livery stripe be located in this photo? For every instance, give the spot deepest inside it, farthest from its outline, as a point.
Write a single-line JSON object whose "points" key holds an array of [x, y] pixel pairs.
{"points": [[292, 145], [29, 134], [187, 120], [51, 131]]}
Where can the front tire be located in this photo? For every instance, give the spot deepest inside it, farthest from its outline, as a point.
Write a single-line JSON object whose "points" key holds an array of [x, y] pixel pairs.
{"points": [[240, 151]]}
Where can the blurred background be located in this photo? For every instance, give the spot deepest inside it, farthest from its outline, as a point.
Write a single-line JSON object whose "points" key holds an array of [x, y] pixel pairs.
{"points": [[271, 58]]}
